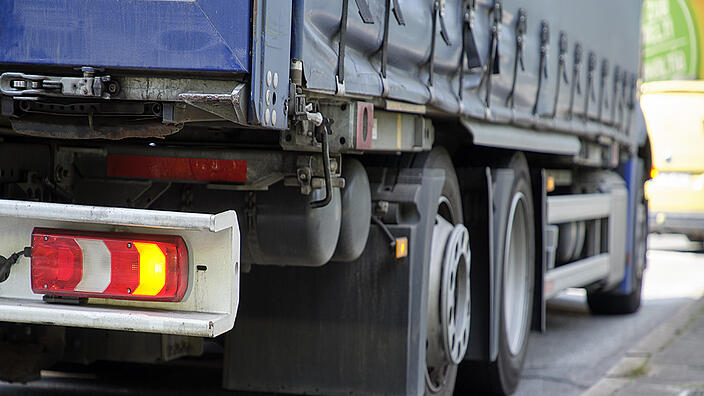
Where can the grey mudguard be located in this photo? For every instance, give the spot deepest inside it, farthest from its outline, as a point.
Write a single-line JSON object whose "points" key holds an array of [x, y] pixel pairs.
{"points": [[607, 29]]}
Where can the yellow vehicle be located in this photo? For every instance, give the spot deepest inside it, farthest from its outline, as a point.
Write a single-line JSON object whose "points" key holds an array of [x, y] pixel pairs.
{"points": [[674, 112]]}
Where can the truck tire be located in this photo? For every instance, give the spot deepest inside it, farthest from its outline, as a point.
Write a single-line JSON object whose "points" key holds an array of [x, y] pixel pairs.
{"points": [[440, 378], [610, 302], [518, 280], [516, 250]]}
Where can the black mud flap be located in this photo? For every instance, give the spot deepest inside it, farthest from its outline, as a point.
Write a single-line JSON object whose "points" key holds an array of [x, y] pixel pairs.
{"points": [[345, 327], [487, 192]]}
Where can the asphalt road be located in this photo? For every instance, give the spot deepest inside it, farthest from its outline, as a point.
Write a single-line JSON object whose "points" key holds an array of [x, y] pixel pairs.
{"points": [[578, 349], [573, 354]]}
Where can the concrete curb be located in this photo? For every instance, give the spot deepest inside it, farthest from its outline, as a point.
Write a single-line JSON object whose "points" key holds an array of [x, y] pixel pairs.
{"points": [[635, 363]]}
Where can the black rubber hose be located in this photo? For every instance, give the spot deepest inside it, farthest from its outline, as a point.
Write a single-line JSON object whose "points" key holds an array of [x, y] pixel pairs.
{"points": [[323, 131]]}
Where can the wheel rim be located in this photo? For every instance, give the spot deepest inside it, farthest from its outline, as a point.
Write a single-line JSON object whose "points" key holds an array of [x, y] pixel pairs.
{"points": [[448, 297], [515, 299], [454, 300]]}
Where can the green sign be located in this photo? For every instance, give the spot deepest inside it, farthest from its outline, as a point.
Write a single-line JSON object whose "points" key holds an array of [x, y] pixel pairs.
{"points": [[670, 50]]}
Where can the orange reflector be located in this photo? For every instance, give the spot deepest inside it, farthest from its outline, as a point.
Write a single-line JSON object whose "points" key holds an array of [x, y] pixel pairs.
{"points": [[653, 173], [401, 247], [550, 184], [549, 287]]}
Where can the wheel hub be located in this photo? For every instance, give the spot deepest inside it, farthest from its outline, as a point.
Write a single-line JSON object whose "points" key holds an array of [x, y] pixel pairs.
{"points": [[449, 296]]}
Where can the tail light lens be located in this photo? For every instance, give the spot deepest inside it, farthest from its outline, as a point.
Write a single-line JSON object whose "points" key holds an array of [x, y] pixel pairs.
{"points": [[109, 265]]}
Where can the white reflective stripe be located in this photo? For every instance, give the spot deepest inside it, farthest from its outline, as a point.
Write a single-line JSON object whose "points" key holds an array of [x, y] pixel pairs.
{"points": [[97, 266]]}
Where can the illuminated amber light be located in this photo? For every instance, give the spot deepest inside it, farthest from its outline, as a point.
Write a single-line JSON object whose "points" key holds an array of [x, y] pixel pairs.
{"points": [[653, 173], [152, 269], [401, 247], [550, 184]]}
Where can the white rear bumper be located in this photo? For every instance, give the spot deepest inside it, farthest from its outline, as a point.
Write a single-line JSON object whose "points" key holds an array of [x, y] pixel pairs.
{"points": [[208, 309]]}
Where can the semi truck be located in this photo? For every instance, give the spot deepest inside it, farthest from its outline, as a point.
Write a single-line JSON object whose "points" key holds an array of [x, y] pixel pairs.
{"points": [[368, 196]]}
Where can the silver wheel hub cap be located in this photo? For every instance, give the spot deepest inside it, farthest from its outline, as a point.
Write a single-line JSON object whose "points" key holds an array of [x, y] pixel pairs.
{"points": [[449, 296]]}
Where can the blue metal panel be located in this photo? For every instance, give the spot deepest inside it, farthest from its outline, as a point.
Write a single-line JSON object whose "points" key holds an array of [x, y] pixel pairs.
{"points": [[271, 49], [202, 35], [630, 172]]}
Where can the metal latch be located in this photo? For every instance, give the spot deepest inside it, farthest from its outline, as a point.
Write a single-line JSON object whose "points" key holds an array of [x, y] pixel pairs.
{"points": [[90, 85]]}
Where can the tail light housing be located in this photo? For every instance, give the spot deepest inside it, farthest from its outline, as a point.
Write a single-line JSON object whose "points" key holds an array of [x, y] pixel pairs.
{"points": [[109, 265]]}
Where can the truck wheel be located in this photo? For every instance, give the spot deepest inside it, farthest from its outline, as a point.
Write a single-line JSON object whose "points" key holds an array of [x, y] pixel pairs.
{"points": [[448, 289], [518, 279], [611, 303], [516, 252]]}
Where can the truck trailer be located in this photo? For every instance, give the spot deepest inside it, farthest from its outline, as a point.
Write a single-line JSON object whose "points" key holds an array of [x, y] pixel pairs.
{"points": [[367, 197]]}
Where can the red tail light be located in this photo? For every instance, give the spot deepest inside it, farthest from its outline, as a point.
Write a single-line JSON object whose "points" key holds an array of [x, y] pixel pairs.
{"points": [[109, 265]]}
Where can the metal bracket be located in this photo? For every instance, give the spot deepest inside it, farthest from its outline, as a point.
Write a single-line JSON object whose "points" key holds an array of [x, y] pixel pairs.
{"points": [[521, 25], [364, 11], [440, 12], [561, 71], [622, 102], [590, 95], [90, 85], [614, 94], [339, 86], [631, 102], [603, 99], [543, 64], [492, 64], [576, 86], [232, 106], [398, 14], [304, 176]]}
